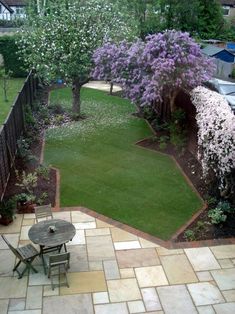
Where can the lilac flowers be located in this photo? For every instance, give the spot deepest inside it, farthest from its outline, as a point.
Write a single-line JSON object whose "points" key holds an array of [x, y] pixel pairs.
{"points": [[153, 70]]}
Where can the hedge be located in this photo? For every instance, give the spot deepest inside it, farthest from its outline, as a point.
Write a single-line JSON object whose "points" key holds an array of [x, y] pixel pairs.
{"points": [[9, 49]]}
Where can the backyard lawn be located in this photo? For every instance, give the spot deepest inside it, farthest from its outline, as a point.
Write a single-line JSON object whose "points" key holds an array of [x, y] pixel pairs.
{"points": [[101, 167], [15, 86]]}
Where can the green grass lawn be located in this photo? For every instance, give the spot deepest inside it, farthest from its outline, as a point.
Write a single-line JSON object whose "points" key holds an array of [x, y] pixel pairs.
{"points": [[102, 168], [15, 86]]}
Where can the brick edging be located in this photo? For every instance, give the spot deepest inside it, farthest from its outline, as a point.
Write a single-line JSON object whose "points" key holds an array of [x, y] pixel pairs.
{"points": [[166, 244], [41, 159], [57, 193]]}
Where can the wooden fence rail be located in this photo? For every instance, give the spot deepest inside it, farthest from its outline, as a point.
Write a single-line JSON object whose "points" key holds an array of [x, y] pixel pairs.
{"points": [[13, 128]]}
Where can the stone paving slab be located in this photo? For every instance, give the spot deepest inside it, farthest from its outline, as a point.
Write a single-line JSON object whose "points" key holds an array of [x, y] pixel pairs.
{"points": [[70, 304], [113, 271], [137, 258], [178, 269]]}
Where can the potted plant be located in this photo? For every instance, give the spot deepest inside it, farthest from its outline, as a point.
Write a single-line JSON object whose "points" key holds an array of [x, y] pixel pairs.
{"points": [[24, 203], [7, 212]]}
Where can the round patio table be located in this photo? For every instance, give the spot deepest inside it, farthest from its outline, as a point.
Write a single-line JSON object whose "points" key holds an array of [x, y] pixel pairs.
{"points": [[42, 235]]}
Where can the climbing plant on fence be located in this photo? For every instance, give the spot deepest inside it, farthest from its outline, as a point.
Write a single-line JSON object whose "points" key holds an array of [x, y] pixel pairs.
{"points": [[216, 136]]}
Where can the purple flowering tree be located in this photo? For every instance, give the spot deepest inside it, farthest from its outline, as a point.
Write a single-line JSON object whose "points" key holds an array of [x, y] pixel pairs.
{"points": [[154, 71]]}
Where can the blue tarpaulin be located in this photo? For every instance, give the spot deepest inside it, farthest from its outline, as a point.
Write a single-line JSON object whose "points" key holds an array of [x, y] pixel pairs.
{"points": [[231, 46]]}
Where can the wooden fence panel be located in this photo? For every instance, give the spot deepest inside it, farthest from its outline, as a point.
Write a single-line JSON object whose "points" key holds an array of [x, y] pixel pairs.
{"points": [[13, 128]]}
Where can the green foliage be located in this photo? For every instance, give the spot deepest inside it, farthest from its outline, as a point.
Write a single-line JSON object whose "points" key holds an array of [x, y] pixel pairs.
{"points": [[42, 198], [177, 129], [201, 227], [233, 73], [201, 18], [210, 22], [217, 216], [6, 81], [56, 108], [11, 56], [163, 140], [180, 15], [226, 207], [12, 23], [43, 171], [189, 235], [23, 148], [27, 182], [7, 208], [24, 197], [145, 15], [59, 119], [211, 201]]}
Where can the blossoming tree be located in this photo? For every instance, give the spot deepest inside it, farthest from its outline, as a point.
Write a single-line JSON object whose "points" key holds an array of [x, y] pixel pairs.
{"points": [[216, 135], [60, 42], [154, 71]]}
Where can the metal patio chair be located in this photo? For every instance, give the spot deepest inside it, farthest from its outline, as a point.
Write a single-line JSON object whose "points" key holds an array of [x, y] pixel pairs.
{"points": [[26, 254], [61, 263], [43, 212]]}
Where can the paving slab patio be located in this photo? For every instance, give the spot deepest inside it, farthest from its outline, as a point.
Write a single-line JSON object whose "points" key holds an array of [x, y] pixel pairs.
{"points": [[116, 272]]}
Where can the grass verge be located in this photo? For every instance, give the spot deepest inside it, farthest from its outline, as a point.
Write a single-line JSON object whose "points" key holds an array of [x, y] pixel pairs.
{"points": [[15, 85]]}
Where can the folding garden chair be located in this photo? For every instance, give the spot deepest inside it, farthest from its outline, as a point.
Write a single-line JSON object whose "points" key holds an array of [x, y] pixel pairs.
{"points": [[43, 212], [26, 254], [61, 263]]}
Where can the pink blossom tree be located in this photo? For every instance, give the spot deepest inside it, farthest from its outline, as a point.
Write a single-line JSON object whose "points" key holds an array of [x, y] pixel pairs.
{"points": [[154, 71]]}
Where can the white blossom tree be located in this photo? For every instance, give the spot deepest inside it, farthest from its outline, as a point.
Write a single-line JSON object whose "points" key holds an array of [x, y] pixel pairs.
{"points": [[60, 42], [216, 136]]}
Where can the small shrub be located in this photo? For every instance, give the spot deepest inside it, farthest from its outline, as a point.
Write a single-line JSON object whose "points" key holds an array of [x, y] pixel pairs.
{"points": [[201, 226], [7, 208], [42, 198], [24, 198], [217, 216], [43, 171], [59, 119], [23, 150], [226, 207], [189, 235], [57, 109], [211, 201], [163, 140], [27, 181], [154, 138], [29, 118], [43, 113]]}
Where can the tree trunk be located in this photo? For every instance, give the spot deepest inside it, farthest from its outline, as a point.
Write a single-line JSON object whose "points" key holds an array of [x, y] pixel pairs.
{"points": [[172, 100], [111, 88], [76, 90]]}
